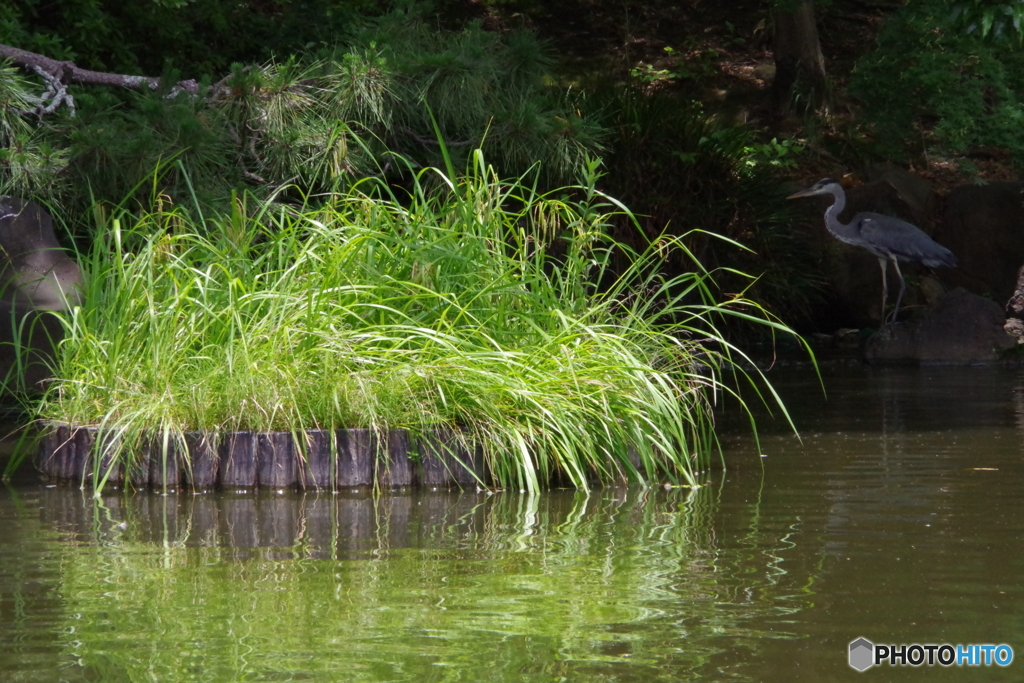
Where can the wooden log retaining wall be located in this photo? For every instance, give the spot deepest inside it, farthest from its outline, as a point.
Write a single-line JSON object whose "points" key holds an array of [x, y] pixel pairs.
{"points": [[316, 459]]}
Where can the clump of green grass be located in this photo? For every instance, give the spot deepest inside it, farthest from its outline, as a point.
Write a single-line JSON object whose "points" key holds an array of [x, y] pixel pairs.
{"points": [[470, 307]]}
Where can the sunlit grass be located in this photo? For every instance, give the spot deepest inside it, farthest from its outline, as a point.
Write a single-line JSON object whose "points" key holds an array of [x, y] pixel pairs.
{"points": [[472, 307]]}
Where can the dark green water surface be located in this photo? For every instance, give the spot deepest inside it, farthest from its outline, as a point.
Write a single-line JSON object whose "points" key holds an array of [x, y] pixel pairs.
{"points": [[899, 517]]}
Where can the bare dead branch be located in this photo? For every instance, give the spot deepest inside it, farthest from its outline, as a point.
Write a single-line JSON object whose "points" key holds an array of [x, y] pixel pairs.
{"points": [[56, 92], [59, 74]]}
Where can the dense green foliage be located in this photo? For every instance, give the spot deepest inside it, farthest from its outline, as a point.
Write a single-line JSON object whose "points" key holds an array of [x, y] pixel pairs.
{"points": [[150, 37], [399, 83], [925, 84], [29, 164], [318, 121], [1001, 20], [326, 275], [676, 165], [321, 94], [469, 308]]}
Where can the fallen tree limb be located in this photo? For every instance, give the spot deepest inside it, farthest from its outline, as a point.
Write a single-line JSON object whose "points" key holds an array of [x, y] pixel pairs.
{"points": [[59, 74]]}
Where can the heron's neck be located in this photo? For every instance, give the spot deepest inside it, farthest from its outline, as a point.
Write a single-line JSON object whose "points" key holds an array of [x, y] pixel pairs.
{"points": [[841, 232]]}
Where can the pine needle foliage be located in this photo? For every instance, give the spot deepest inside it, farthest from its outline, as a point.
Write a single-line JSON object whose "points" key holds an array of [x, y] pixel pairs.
{"points": [[315, 122], [29, 164], [466, 307]]}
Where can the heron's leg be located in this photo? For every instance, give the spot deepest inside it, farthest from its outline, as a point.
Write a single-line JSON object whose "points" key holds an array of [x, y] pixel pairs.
{"points": [[903, 287], [885, 285]]}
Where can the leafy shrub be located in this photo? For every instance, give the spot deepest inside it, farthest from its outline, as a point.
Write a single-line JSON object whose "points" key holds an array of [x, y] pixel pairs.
{"points": [[926, 79], [480, 89]]}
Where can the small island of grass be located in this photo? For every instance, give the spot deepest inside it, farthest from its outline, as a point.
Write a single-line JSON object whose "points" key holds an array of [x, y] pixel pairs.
{"points": [[476, 307]]}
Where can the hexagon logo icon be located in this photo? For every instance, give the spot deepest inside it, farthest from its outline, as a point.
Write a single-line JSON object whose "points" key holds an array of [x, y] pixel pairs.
{"points": [[862, 654]]}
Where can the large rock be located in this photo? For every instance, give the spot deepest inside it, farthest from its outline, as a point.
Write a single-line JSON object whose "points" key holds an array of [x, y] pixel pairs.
{"points": [[914, 198], [35, 275], [984, 227], [961, 328], [35, 272]]}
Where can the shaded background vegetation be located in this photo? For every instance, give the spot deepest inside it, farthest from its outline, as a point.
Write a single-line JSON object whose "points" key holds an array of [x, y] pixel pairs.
{"points": [[672, 96]]}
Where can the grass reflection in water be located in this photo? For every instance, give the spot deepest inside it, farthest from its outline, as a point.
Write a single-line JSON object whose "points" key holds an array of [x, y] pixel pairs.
{"points": [[440, 587]]}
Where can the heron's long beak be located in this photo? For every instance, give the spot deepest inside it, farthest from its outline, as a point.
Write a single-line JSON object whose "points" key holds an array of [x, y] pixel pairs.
{"points": [[809, 192]]}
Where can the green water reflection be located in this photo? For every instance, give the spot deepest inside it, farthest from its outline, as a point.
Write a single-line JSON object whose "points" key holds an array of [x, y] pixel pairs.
{"points": [[898, 518], [624, 585]]}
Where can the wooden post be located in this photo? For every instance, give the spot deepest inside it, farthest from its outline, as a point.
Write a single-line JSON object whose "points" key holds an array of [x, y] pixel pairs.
{"points": [[276, 463], [238, 459], [204, 461], [394, 469], [357, 455], [320, 449], [446, 460]]}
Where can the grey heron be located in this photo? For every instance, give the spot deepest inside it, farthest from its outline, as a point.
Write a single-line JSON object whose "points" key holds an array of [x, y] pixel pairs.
{"points": [[888, 238]]}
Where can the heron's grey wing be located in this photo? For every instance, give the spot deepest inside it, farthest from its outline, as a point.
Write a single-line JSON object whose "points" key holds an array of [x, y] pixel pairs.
{"points": [[902, 240]]}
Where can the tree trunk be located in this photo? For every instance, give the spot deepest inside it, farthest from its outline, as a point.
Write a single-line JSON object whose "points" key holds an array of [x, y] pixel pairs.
{"points": [[799, 65]]}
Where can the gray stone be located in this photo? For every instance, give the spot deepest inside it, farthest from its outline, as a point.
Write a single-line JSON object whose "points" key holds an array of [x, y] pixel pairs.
{"points": [[961, 328], [915, 194], [984, 227], [1015, 306], [1015, 310], [35, 275], [1015, 328]]}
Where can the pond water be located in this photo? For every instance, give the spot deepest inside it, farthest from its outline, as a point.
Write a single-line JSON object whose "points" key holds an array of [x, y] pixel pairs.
{"points": [[897, 517]]}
